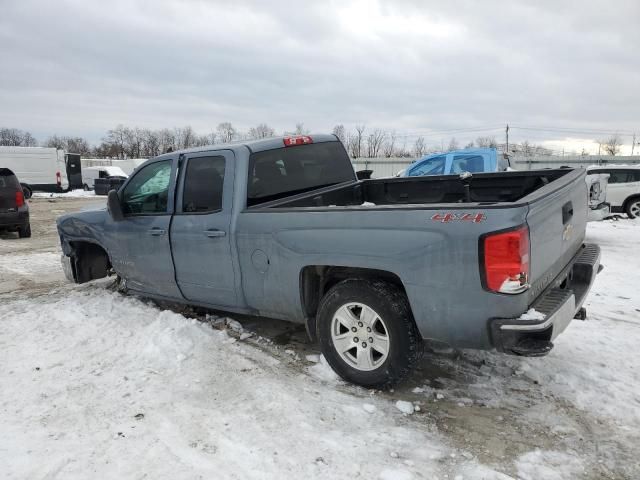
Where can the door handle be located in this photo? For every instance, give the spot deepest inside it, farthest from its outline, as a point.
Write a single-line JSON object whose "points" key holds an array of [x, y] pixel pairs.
{"points": [[567, 212], [156, 232], [214, 233]]}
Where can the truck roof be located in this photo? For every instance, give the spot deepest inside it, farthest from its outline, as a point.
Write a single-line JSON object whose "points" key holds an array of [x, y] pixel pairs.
{"points": [[253, 145]]}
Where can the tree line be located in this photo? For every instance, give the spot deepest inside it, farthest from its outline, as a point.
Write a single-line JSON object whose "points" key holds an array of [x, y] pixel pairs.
{"points": [[361, 142]]}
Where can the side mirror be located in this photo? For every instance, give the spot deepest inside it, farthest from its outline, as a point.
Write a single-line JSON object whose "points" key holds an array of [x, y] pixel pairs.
{"points": [[114, 207]]}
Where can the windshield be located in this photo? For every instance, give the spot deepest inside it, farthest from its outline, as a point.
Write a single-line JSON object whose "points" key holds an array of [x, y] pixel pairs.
{"points": [[281, 172]]}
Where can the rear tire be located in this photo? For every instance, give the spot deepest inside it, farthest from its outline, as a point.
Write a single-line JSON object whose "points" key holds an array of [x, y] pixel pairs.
{"points": [[27, 192], [385, 345], [633, 208], [85, 187], [25, 231]]}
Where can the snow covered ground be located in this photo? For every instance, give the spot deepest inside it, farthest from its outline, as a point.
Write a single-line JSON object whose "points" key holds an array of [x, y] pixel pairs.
{"points": [[71, 194], [95, 384]]}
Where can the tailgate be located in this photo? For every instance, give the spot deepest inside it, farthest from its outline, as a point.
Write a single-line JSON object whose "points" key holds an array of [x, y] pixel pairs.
{"points": [[557, 219]]}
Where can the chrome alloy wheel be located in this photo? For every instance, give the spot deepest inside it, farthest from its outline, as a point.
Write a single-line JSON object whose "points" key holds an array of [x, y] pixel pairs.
{"points": [[360, 336]]}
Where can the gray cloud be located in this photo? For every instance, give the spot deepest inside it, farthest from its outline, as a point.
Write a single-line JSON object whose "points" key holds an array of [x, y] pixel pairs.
{"points": [[81, 67]]}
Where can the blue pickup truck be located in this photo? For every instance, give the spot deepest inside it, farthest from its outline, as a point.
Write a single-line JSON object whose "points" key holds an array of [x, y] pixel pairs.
{"points": [[283, 228], [473, 160]]}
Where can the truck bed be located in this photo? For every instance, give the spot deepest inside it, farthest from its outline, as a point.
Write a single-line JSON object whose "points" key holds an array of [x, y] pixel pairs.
{"points": [[485, 188]]}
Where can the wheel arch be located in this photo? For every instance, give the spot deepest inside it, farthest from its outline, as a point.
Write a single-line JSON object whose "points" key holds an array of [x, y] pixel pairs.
{"points": [[316, 280], [629, 199], [89, 260]]}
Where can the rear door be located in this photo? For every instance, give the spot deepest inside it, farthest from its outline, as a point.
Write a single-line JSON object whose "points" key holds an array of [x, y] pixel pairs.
{"points": [[200, 232], [622, 184]]}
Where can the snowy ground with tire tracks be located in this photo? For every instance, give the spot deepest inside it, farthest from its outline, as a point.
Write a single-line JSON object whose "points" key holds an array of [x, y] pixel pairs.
{"points": [[98, 384]]}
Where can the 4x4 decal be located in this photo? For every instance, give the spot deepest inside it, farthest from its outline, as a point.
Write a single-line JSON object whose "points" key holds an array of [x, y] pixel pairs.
{"points": [[459, 217]]}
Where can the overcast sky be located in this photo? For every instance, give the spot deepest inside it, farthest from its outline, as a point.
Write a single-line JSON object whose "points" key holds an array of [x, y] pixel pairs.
{"points": [[82, 67]]}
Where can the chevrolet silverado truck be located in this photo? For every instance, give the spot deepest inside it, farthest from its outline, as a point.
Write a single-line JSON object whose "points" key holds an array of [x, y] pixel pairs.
{"points": [[283, 228]]}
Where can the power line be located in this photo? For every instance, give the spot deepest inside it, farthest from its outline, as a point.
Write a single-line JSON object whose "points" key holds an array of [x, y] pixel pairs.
{"points": [[587, 131]]}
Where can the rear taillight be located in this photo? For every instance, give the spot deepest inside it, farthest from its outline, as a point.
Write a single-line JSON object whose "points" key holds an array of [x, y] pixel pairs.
{"points": [[19, 198], [297, 140], [58, 179], [506, 261]]}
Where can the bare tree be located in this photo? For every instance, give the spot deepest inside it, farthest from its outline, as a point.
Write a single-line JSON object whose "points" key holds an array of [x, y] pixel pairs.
{"points": [[300, 130], [55, 141], [28, 140], [389, 147], [612, 144], [486, 142], [261, 131], [470, 144], [69, 144], [374, 142], [226, 132], [340, 132], [357, 147], [419, 147], [453, 145], [115, 141], [133, 140], [167, 140], [202, 140], [13, 137]]}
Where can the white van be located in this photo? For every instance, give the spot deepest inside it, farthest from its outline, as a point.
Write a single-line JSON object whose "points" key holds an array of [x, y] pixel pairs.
{"points": [[38, 168], [90, 174]]}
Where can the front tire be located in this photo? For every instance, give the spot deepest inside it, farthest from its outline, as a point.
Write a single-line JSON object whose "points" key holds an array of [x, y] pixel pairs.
{"points": [[367, 333], [633, 208]]}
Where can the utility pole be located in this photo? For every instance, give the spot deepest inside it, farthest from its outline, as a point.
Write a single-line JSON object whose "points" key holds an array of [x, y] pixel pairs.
{"points": [[633, 143], [506, 132]]}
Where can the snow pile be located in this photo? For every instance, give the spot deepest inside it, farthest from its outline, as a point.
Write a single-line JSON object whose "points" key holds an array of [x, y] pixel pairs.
{"points": [[405, 407], [532, 314], [97, 382], [323, 371], [71, 194], [548, 465]]}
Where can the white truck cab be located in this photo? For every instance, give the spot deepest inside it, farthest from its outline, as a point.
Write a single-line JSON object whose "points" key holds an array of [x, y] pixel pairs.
{"points": [[90, 174]]}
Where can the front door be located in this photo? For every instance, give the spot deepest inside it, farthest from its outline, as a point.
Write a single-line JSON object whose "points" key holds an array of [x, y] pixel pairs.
{"points": [[141, 240], [200, 232]]}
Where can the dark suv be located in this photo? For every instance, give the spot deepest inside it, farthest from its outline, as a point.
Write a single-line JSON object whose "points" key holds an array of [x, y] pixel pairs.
{"points": [[14, 211]]}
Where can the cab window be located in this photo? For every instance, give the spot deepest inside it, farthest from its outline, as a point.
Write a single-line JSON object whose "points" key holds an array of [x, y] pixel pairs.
{"points": [[467, 163], [432, 166], [203, 185], [148, 191]]}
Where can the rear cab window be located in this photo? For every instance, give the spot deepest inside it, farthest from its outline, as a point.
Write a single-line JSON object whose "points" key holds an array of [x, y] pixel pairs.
{"points": [[281, 172], [8, 180]]}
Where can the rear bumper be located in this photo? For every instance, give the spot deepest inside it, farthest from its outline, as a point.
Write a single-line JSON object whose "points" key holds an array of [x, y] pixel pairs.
{"points": [[560, 303], [13, 220], [599, 213]]}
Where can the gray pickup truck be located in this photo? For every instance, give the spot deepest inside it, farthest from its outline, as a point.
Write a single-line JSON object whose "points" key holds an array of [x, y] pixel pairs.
{"points": [[283, 228]]}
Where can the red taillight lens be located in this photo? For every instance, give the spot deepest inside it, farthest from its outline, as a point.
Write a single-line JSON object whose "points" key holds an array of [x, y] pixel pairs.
{"points": [[58, 179], [506, 261], [297, 140], [19, 198]]}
